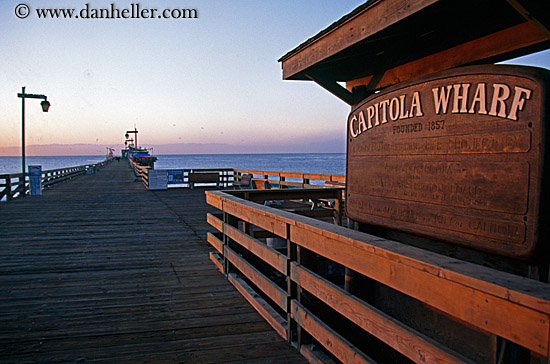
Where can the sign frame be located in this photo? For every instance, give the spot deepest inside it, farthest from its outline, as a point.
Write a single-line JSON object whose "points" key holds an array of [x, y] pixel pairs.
{"points": [[457, 156]]}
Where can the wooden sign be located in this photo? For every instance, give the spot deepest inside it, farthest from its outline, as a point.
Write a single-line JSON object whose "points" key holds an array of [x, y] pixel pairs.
{"points": [[158, 179], [457, 156]]}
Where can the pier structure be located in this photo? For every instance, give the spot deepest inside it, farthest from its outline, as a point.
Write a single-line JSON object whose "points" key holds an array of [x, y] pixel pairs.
{"points": [[406, 275], [99, 269], [446, 186]]}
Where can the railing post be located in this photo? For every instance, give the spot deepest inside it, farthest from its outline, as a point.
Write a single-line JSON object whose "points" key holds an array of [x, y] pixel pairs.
{"points": [[292, 291], [338, 207], [8, 188], [232, 221], [295, 335], [24, 184]]}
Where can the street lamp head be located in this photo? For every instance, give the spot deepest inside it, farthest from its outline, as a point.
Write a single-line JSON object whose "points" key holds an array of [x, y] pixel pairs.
{"points": [[45, 105], [127, 135]]}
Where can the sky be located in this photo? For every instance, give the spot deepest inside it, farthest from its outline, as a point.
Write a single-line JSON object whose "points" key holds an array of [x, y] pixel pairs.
{"points": [[209, 80]]}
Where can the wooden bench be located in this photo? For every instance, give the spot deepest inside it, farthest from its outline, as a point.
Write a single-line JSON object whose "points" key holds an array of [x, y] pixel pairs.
{"points": [[261, 184], [244, 182], [203, 177]]}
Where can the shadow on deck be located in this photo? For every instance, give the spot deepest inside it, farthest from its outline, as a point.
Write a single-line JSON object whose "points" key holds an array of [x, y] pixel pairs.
{"points": [[100, 269]]}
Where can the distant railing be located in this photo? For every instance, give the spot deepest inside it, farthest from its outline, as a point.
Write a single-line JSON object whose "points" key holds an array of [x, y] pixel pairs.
{"points": [[228, 177], [292, 288], [300, 180], [12, 185], [141, 173]]}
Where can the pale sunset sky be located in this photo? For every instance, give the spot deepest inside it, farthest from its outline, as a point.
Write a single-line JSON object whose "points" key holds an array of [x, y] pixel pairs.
{"points": [[214, 79]]}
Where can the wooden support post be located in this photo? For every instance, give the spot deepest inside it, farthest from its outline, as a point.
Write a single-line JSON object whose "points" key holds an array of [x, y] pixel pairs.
{"points": [[292, 290], [247, 228], [338, 208], [8, 189], [232, 221]]}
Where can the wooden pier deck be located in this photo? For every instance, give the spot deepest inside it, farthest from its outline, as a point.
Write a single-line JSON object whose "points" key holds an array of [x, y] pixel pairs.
{"points": [[99, 269]]}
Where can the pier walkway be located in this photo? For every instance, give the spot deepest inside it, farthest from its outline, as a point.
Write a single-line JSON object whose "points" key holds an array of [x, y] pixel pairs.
{"points": [[99, 269]]}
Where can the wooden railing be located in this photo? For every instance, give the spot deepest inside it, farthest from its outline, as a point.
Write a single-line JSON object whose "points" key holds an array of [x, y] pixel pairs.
{"points": [[308, 306], [141, 173], [225, 176], [301, 180], [12, 185]]}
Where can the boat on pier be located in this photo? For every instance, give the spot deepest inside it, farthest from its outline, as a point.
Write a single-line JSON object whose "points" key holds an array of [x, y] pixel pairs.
{"points": [[139, 155]]}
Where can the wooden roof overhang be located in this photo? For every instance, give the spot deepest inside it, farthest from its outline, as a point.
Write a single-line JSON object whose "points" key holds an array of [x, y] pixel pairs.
{"points": [[384, 42]]}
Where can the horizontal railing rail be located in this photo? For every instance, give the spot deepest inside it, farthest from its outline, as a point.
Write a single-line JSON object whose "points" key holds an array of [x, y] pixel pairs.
{"points": [[224, 179], [12, 185], [229, 177], [188, 177], [292, 288], [297, 179]]}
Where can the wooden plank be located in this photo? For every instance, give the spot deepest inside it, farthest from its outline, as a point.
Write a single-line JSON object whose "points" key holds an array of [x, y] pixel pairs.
{"points": [[299, 175], [414, 345], [523, 291], [519, 36], [278, 295], [333, 87], [471, 178], [215, 242], [85, 278], [331, 340], [540, 24], [217, 260], [215, 221], [203, 177], [214, 200], [525, 326], [249, 211], [314, 356], [258, 248], [373, 19], [289, 194], [276, 321]]}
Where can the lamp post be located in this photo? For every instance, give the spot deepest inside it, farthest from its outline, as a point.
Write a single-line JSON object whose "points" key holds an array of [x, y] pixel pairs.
{"points": [[45, 106], [135, 132]]}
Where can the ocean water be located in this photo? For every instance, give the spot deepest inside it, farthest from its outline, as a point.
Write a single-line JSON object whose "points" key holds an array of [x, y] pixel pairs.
{"points": [[13, 164], [327, 163]]}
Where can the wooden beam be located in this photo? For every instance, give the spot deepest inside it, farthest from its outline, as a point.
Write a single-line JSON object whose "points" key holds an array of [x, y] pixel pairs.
{"points": [[217, 260], [374, 18], [412, 344], [406, 274], [267, 312], [333, 87], [505, 41], [278, 295], [256, 247], [331, 340], [315, 356], [544, 28], [252, 212], [214, 221], [215, 242], [485, 295]]}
